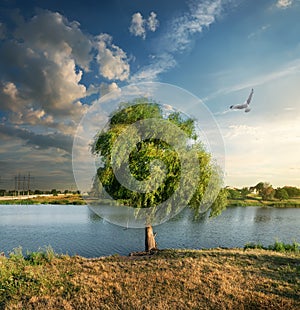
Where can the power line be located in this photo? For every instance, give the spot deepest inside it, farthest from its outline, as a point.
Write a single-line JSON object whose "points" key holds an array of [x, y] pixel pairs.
{"points": [[23, 184]]}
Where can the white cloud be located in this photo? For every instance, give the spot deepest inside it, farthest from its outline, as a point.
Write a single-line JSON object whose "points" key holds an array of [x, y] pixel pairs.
{"points": [[42, 97], [153, 22], [200, 16], [50, 54], [179, 37], [284, 3], [259, 31], [112, 60], [160, 64], [107, 88], [137, 27], [139, 24], [53, 33], [47, 52]]}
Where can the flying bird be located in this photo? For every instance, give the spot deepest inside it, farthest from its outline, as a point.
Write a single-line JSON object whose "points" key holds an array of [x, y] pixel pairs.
{"points": [[245, 105]]}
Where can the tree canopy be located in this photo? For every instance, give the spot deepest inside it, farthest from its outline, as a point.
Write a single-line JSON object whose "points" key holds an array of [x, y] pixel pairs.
{"points": [[156, 163]]}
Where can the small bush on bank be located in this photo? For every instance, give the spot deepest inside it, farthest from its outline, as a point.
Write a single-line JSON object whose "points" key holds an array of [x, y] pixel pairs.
{"points": [[277, 246]]}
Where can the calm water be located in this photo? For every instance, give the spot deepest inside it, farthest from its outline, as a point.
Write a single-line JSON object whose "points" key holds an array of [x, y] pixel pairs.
{"points": [[76, 230]]}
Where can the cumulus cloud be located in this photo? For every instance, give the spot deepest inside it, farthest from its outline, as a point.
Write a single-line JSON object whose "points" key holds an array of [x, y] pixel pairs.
{"points": [[284, 3], [42, 62], [112, 60], [153, 22], [55, 34], [41, 69], [139, 25], [42, 93]]}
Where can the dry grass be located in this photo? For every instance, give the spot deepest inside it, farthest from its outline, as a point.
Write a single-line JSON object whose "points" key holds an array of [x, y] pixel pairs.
{"points": [[59, 199], [171, 279]]}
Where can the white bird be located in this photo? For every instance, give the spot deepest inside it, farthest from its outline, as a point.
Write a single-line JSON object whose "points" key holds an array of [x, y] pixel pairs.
{"points": [[245, 105]]}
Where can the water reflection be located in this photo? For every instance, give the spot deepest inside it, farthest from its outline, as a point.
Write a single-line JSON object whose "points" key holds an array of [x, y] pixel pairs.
{"points": [[93, 217], [263, 215]]}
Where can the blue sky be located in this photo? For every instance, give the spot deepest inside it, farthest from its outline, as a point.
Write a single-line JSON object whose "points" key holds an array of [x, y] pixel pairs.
{"points": [[56, 58]]}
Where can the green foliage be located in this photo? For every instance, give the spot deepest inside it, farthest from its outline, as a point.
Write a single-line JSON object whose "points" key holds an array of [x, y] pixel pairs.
{"points": [[149, 150], [34, 258], [16, 254], [259, 186], [54, 192], [245, 191], [285, 247], [266, 191], [234, 194], [219, 204], [41, 256], [252, 245], [140, 109], [277, 246], [22, 277], [281, 193], [186, 124], [292, 191], [238, 193]]}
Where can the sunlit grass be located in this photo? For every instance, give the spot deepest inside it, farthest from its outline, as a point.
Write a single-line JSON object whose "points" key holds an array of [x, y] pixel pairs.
{"points": [[170, 279], [68, 199], [252, 201]]}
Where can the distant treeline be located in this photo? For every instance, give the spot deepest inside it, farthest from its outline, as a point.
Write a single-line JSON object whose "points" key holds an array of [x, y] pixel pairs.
{"points": [[265, 191], [4, 192]]}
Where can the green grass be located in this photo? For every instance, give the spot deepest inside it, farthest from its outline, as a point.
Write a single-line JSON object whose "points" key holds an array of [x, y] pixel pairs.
{"points": [[257, 201], [277, 247]]}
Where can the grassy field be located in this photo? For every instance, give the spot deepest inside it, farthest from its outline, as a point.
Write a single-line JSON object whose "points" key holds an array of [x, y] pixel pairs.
{"points": [[51, 199], [78, 200], [170, 279], [251, 201]]}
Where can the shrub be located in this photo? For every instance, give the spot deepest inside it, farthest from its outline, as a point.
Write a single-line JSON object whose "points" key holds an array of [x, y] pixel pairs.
{"points": [[277, 246]]}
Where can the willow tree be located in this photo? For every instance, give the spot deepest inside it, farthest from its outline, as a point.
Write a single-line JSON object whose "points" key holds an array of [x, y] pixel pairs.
{"points": [[156, 183]]}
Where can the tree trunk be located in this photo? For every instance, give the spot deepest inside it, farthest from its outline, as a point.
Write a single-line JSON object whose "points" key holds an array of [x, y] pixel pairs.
{"points": [[150, 243]]}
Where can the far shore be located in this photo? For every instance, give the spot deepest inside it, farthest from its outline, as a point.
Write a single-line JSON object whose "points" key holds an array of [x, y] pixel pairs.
{"points": [[77, 199], [22, 197], [275, 203], [59, 199]]}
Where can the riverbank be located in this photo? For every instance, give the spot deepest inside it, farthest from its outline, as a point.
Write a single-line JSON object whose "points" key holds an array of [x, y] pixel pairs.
{"points": [[72, 199], [171, 279], [60, 199], [276, 203]]}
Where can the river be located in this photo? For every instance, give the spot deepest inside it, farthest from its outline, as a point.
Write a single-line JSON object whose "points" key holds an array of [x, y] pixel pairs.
{"points": [[77, 230]]}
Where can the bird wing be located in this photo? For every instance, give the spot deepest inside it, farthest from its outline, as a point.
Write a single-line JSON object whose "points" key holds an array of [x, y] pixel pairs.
{"points": [[245, 105], [250, 96], [239, 106]]}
